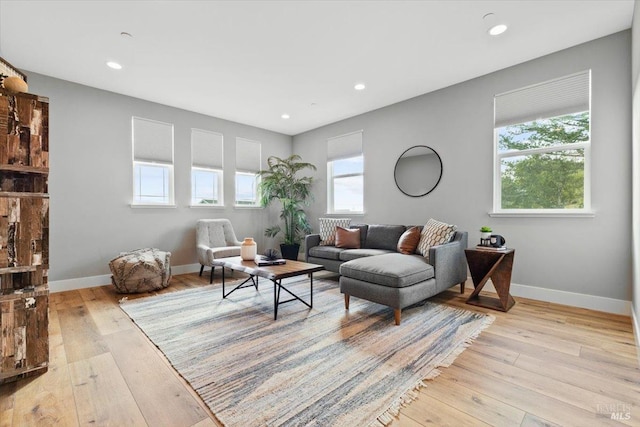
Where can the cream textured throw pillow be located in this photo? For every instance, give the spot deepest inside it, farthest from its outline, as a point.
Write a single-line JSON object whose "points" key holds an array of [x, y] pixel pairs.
{"points": [[434, 233], [328, 229]]}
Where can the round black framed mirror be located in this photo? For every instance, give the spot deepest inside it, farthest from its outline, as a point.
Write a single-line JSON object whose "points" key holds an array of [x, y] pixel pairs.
{"points": [[418, 171]]}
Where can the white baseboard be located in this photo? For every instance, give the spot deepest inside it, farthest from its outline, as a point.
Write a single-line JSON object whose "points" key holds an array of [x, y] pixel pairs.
{"points": [[636, 330], [105, 279], [608, 305]]}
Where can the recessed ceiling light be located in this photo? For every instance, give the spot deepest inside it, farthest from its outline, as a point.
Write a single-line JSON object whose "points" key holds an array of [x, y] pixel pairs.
{"points": [[114, 65], [493, 25], [359, 86], [285, 116], [497, 29]]}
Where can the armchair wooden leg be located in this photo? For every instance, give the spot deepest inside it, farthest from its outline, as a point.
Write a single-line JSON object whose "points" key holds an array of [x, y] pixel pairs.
{"points": [[201, 269], [462, 287], [346, 301], [211, 278], [397, 313]]}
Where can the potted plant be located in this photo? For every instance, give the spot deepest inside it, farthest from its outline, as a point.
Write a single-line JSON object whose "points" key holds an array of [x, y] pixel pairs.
{"points": [[280, 182], [485, 232]]}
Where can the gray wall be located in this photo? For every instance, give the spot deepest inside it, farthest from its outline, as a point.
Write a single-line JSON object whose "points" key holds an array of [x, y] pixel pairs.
{"points": [[585, 255], [635, 74], [90, 181]]}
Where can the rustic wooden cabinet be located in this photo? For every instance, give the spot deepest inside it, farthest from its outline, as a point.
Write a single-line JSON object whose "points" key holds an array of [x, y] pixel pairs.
{"points": [[24, 235]]}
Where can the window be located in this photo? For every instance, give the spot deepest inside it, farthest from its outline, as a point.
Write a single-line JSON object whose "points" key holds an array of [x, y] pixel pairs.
{"points": [[206, 168], [247, 166], [152, 162], [543, 147], [345, 174]]}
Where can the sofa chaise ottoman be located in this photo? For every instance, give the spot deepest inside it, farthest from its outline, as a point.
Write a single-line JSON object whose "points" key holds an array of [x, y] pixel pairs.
{"points": [[392, 279]]}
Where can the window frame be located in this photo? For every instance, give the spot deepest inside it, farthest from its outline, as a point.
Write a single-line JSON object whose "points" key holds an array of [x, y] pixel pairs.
{"points": [[220, 189], [331, 177], [170, 188], [256, 204], [208, 165], [247, 170], [169, 165], [586, 211]]}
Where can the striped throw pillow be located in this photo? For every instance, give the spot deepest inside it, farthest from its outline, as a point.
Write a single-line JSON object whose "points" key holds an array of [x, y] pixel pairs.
{"points": [[328, 229], [434, 233]]}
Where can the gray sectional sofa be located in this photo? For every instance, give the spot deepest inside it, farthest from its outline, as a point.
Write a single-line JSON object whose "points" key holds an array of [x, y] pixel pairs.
{"points": [[378, 272]]}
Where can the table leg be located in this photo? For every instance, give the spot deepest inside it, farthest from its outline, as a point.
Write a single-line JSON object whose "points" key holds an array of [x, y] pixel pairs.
{"points": [[276, 299], [277, 287]]}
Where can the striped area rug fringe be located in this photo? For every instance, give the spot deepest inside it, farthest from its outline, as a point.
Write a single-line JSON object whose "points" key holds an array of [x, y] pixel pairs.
{"points": [[388, 416]]}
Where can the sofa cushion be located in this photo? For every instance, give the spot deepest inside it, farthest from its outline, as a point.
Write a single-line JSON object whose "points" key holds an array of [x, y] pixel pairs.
{"points": [[409, 241], [328, 229], [349, 254], [347, 238], [326, 252], [434, 233], [363, 232], [393, 269], [384, 236]]}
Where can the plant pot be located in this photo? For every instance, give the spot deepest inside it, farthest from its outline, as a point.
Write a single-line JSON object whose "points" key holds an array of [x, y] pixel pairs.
{"points": [[485, 235], [290, 251]]}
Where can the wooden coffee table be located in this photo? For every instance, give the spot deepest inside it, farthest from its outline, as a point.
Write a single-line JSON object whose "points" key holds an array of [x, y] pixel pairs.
{"points": [[275, 273]]}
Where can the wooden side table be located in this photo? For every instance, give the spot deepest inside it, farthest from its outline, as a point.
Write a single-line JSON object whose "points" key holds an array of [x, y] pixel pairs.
{"points": [[494, 265]]}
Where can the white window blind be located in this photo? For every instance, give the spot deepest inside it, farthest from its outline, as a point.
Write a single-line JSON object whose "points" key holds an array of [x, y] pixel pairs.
{"points": [[206, 149], [247, 155], [565, 95], [152, 141], [344, 146]]}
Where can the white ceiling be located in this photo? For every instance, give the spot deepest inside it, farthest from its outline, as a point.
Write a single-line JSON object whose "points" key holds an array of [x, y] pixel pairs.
{"points": [[252, 61]]}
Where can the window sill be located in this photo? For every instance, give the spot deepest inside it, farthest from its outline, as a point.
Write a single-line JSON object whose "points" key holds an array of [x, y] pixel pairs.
{"points": [[152, 206], [343, 214], [203, 206], [247, 207], [582, 214]]}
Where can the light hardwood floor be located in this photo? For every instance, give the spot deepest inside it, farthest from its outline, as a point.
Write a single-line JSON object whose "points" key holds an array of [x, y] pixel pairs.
{"points": [[541, 364]]}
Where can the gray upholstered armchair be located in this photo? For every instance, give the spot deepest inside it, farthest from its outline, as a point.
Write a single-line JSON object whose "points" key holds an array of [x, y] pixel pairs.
{"points": [[215, 239]]}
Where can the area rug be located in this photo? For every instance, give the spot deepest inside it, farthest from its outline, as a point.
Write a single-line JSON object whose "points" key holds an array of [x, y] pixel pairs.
{"points": [[323, 366]]}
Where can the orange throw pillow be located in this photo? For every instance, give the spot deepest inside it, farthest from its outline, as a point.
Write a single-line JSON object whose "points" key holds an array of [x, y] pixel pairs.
{"points": [[409, 241], [348, 238]]}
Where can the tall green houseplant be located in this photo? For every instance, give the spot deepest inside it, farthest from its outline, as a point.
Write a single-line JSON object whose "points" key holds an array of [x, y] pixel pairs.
{"points": [[281, 182]]}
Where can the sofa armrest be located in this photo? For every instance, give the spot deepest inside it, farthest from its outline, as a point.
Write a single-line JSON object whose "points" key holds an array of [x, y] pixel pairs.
{"points": [[310, 241], [449, 263]]}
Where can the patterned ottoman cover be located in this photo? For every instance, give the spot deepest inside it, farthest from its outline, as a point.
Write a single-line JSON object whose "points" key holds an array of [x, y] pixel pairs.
{"points": [[142, 270]]}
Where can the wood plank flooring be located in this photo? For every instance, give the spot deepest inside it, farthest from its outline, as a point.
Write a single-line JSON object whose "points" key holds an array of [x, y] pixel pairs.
{"points": [[540, 364]]}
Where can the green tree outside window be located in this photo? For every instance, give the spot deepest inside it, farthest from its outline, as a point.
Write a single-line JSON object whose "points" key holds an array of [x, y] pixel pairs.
{"points": [[542, 163]]}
